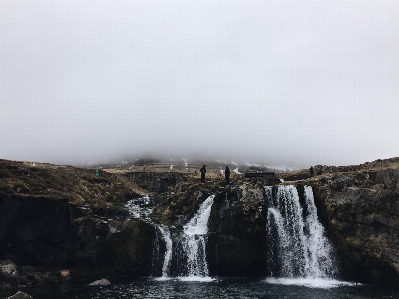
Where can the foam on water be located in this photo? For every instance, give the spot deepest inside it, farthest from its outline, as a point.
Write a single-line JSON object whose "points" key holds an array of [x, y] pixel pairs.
{"points": [[186, 278], [162, 278], [196, 278], [310, 282]]}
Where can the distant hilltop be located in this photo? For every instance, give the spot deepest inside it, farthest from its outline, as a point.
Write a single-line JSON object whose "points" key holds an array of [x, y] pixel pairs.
{"points": [[195, 163]]}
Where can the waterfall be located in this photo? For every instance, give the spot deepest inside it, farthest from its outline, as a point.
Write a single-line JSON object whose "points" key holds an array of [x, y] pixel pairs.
{"points": [[297, 243], [319, 248], [194, 240], [168, 251]]}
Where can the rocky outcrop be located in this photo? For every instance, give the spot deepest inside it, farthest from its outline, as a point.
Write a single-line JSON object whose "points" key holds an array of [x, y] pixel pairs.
{"points": [[37, 231], [237, 232], [360, 208], [155, 182], [54, 217]]}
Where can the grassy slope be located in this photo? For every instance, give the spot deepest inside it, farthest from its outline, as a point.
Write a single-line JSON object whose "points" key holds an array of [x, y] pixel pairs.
{"points": [[78, 185]]}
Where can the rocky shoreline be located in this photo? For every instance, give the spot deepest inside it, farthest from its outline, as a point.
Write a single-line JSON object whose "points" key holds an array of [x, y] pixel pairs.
{"points": [[62, 217]]}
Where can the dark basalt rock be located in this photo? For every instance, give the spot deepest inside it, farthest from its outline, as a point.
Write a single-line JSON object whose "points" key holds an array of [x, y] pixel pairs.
{"points": [[20, 295], [55, 218], [130, 250], [237, 233], [360, 211], [33, 227]]}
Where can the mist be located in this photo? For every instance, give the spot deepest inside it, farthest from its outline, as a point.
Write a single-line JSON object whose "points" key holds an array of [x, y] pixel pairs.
{"points": [[296, 83]]}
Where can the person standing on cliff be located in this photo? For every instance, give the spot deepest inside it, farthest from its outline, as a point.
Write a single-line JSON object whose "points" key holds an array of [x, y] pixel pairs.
{"points": [[227, 174], [311, 171], [203, 171]]}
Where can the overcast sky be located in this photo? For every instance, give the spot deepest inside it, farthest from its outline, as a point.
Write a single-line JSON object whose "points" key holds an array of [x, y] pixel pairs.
{"points": [[279, 82]]}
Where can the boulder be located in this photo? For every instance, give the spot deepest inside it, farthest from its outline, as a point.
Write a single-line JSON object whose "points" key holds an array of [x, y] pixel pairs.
{"points": [[8, 272], [20, 295], [100, 283], [65, 275]]}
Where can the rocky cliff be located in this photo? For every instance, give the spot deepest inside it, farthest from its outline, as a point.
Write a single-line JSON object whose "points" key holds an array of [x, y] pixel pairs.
{"points": [[54, 217], [359, 205]]}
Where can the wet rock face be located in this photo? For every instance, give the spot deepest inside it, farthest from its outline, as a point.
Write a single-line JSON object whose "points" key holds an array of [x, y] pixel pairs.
{"points": [[252, 199], [51, 216], [237, 232], [360, 210], [30, 227], [130, 250], [38, 231]]}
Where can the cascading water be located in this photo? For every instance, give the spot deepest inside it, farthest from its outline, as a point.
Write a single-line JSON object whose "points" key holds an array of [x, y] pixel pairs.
{"points": [[168, 251], [319, 248], [140, 208], [194, 240], [297, 247]]}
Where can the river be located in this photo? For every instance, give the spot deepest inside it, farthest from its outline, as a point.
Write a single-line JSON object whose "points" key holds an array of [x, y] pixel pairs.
{"points": [[221, 288]]}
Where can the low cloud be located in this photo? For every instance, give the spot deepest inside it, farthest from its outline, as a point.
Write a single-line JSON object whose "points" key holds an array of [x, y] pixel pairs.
{"points": [[293, 83]]}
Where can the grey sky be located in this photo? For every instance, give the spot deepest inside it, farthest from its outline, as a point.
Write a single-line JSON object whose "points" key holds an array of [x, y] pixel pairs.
{"points": [[278, 82]]}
